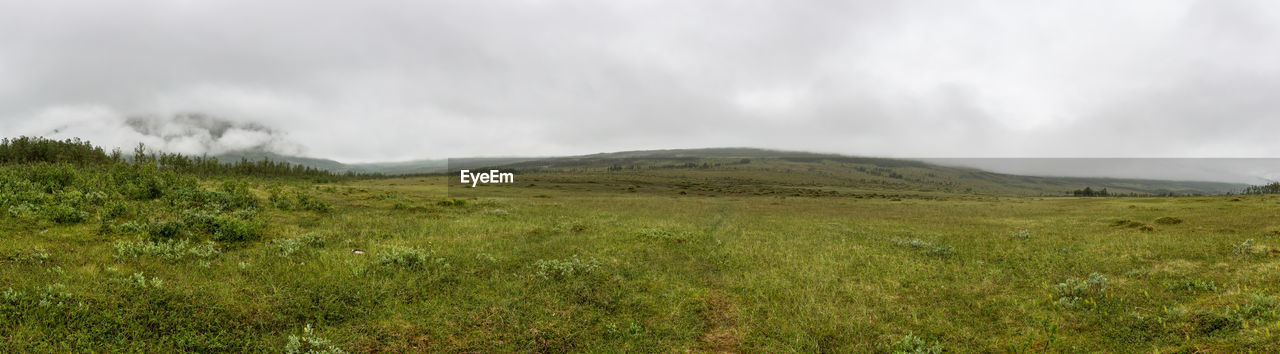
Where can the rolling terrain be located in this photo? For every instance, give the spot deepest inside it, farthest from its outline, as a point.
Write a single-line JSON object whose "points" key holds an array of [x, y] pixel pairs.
{"points": [[767, 172], [770, 169], [757, 254]]}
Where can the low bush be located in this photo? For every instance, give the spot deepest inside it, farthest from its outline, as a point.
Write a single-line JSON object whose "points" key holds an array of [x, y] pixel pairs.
{"points": [[910, 343], [63, 214], [1244, 248], [1191, 285], [167, 230], [409, 258], [288, 246], [309, 343], [925, 247], [169, 250], [241, 225], [565, 268], [1071, 291], [297, 200]]}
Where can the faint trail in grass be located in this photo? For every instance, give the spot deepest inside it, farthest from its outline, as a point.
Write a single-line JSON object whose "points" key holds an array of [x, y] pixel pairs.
{"points": [[721, 333]]}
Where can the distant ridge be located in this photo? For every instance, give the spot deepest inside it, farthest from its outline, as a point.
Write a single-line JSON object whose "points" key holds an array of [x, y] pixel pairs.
{"points": [[781, 167], [387, 168]]}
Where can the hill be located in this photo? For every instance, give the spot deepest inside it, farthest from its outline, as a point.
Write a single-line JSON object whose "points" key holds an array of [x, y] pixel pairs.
{"points": [[765, 170]]}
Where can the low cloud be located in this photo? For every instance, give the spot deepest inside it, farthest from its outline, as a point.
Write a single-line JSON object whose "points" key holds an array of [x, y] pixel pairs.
{"points": [[391, 80], [185, 133]]}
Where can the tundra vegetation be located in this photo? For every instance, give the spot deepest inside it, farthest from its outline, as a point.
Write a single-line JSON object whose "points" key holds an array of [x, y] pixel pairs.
{"points": [[104, 253]]}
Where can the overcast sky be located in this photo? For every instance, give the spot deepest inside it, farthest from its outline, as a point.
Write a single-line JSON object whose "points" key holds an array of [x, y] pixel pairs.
{"points": [[383, 80]]}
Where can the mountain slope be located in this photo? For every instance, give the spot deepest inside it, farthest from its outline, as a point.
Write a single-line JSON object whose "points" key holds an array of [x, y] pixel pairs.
{"points": [[764, 168]]}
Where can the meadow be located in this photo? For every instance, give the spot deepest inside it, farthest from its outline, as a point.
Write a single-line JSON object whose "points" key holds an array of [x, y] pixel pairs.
{"points": [[133, 257]]}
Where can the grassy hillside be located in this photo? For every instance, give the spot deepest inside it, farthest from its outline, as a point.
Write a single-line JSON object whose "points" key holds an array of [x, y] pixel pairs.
{"points": [[394, 265], [774, 254], [766, 172], [771, 168]]}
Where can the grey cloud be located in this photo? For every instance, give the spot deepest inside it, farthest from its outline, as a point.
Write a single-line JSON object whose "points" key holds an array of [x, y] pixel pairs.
{"points": [[400, 80]]}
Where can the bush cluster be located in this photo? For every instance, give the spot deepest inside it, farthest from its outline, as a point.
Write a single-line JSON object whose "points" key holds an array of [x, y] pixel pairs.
{"points": [[565, 268], [297, 200]]}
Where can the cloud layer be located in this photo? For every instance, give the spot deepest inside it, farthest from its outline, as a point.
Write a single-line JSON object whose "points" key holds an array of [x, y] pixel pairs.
{"points": [[393, 80]]}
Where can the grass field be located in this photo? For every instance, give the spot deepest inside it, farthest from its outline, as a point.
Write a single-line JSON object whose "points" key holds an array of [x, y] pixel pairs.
{"points": [[402, 264]]}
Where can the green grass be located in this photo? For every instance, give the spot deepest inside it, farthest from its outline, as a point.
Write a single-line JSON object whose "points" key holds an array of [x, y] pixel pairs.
{"points": [[566, 265]]}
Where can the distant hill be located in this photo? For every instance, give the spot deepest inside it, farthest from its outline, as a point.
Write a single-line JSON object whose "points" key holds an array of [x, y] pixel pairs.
{"points": [[387, 168], [401, 168], [323, 164], [760, 167], [750, 166]]}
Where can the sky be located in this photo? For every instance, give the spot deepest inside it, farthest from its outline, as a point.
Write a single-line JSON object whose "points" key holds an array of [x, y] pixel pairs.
{"points": [[362, 81]]}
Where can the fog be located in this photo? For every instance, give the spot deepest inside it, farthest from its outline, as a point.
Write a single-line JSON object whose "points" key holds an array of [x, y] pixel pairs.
{"points": [[393, 80]]}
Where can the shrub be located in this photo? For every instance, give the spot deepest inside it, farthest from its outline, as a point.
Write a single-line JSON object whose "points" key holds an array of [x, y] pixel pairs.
{"points": [[278, 199], [297, 200], [236, 195], [1191, 285], [310, 343], [486, 257], [238, 230], [1022, 234], [37, 256], [115, 209], [940, 251], [139, 281], [309, 202], [130, 227], [911, 242], [166, 230], [12, 297], [1260, 307], [201, 220], [1244, 248], [565, 268], [63, 214], [410, 258], [925, 247], [289, 246], [910, 343], [237, 226], [22, 210], [169, 250], [1071, 291], [54, 295]]}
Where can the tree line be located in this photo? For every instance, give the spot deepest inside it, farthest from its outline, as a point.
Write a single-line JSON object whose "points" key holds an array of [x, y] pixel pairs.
{"points": [[1090, 192], [24, 150], [1270, 188]]}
